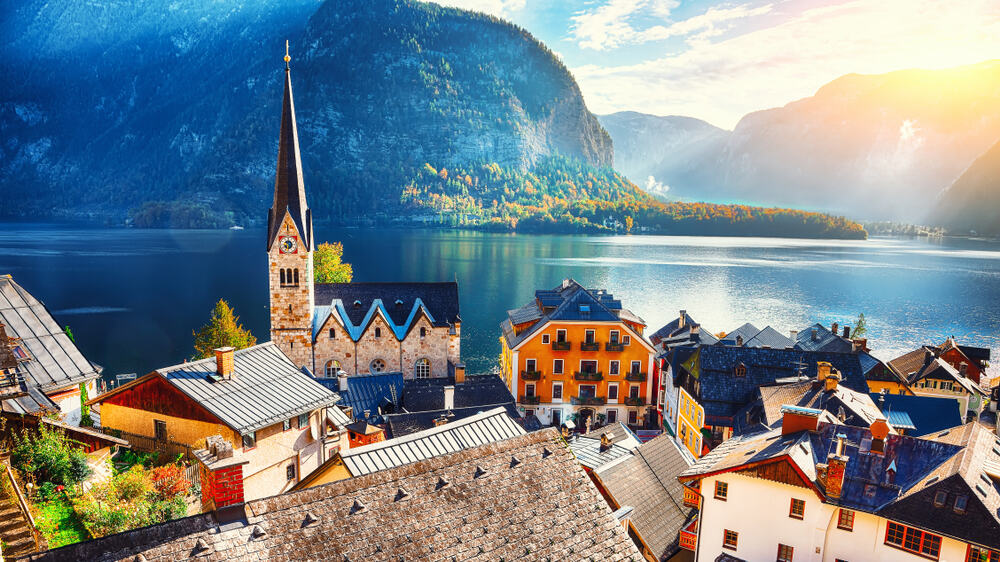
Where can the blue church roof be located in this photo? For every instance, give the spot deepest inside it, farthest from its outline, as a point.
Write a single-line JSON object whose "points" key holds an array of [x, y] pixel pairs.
{"points": [[368, 393]]}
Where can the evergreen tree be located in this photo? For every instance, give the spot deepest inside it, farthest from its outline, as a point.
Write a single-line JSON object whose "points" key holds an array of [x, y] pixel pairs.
{"points": [[860, 328], [327, 264], [223, 330]]}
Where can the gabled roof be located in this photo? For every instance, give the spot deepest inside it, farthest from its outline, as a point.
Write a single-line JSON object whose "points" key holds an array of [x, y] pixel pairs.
{"points": [[289, 189], [855, 408], [53, 361], [368, 393], [619, 432], [769, 337], [423, 395], [592, 455], [266, 388], [746, 331], [487, 427], [407, 423], [939, 369], [825, 340], [975, 353], [673, 329], [928, 414], [518, 496], [355, 305], [647, 482]]}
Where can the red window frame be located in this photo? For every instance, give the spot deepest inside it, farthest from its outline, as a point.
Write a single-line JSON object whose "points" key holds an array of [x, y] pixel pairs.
{"points": [[981, 554], [724, 488], [910, 539], [785, 553], [797, 509], [726, 535], [845, 520]]}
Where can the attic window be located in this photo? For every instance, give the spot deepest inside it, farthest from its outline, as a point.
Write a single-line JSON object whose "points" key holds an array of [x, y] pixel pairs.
{"points": [[740, 370], [878, 446], [357, 304], [961, 504], [940, 498], [585, 309], [399, 302]]}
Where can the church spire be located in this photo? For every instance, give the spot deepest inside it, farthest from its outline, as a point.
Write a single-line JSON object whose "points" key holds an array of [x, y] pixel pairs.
{"points": [[289, 189]]}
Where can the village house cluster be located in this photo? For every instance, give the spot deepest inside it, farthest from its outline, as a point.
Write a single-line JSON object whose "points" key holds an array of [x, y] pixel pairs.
{"points": [[355, 433]]}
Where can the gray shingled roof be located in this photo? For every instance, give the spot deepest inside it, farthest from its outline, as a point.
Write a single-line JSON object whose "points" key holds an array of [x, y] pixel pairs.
{"points": [[55, 362], [588, 450], [266, 388], [487, 427]]}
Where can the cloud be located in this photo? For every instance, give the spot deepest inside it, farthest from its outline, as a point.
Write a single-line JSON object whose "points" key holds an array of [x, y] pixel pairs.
{"points": [[721, 80], [654, 187]]}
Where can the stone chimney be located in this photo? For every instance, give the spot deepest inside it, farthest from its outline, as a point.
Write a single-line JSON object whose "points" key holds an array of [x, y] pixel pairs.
{"points": [[605, 441], [834, 327], [847, 332], [796, 418], [815, 334], [449, 397], [836, 469], [224, 362], [831, 381], [682, 319], [823, 369], [793, 335], [342, 381]]}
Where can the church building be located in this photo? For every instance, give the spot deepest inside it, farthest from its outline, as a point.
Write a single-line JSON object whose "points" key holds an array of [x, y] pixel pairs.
{"points": [[359, 328]]}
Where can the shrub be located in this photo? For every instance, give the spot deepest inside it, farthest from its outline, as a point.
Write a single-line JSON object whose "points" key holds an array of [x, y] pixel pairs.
{"points": [[169, 482], [134, 483], [49, 456], [134, 498]]}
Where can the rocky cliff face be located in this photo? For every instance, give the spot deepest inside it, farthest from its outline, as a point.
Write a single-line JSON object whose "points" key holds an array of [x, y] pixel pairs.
{"points": [[114, 103]]}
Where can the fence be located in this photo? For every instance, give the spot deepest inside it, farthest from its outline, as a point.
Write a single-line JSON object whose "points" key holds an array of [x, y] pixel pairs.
{"points": [[148, 444]]}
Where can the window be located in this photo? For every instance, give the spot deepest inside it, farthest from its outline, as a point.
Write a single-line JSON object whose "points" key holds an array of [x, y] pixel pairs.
{"points": [[160, 430], [729, 539], [784, 553], [615, 334], [529, 365], [721, 490], [613, 368], [633, 391], [560, 335], [626, 340], [557, 367], [423, 332], [378, 332], [980, 554], [588, 391], [422, 368], [333, 333], [845, 520], [545, 338], [612, 416], [557, 391], [961, 504], [637, 366], [590, 335], [940, 498], [963, 369], [529, 389], [290, 471], [633, 417], [296, 282], [798, 509], [740, 370], [286, 425], [612, 392], [303, 421], [529, 412], [377, 366], [912, 540], [588, 366], [250, 441], [556, 418], [281, 275], [332, 368]]}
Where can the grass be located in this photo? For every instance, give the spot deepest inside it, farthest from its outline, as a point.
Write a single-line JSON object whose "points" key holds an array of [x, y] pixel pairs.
{"points": [[58, 523]]}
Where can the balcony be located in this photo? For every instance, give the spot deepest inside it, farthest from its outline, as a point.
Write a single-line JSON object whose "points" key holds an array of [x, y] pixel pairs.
{"points": [[635, 401], [614, 346], [635, 376], [588, 400], [691, 497], [588, 376], [590, 346], [561, 346], [688, 536], [530, 400], [531, 375]]}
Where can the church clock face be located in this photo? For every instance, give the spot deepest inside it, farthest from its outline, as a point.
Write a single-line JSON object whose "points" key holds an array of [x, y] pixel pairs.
{"points": [[288, 244]]}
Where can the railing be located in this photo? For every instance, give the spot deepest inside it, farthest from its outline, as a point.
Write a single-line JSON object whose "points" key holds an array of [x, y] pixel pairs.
{"points": [[588, 400], [614, 346], [530, 400], [635, 401], [635, 376], [691, 498], [688, 541], [561, 346], [590, 346], [531, 375], [588, 376], [22, 504], [11, 379]]}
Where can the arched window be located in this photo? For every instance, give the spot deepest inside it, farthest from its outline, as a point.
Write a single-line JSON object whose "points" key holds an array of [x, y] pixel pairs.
{"points": [[378, 332], [422, 369], [377, 366], [423, 332], [296, 277], [282, 272], [332, 368]]}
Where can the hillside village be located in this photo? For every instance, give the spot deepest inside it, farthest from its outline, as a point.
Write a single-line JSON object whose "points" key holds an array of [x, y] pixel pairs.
{"points": [[355, 432]]}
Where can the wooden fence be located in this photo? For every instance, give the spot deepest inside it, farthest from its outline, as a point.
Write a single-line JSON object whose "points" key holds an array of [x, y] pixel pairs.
{"points": [[148, 444]]}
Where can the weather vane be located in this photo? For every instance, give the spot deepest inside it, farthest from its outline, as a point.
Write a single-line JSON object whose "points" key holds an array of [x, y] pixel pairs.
{"points": [[287, 57]]}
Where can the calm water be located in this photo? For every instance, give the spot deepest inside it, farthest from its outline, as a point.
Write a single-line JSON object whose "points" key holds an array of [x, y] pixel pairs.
{"points": [[133, 297]]}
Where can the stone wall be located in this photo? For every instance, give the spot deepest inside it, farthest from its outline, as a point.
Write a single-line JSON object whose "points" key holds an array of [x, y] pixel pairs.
{"points": [[339, 348], [435, 346], [291, 304]]}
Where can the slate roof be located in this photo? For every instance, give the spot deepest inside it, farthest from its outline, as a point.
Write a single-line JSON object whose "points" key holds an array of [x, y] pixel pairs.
{"points": [[289, 189], [53, 361], [825, 340], [368, 392], [769, 337], [266, 388], [857, 408], [688, 336], [927, 413], [746, 331], [647, 481], [411, 422], [672, 327], [514, 499], [570, 301], [975, 353], [588, 450], [356, 304], [422, 395], [487, 427]]}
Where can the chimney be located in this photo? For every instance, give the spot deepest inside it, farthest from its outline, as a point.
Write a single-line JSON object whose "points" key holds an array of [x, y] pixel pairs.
{"points": [[833, 328], [815, 334], [449, 397], [682, 319], [221, 473], [879, 430], [823, 369], [224, 362], [836, 468], [793, 335], [831, 381], [342, 381], [605, 441], [695, 329], [847, 332], [796, 418]]}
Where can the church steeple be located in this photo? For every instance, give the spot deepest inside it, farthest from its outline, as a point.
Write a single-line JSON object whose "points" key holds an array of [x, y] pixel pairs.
{"points": [[289, 189]]}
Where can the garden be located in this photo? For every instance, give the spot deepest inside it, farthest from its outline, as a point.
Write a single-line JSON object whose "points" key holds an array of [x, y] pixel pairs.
{"points": [[71, 504]]}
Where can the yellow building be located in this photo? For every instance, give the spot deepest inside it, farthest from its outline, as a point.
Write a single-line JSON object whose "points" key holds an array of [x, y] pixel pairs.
{"points": [[577, 354], [690, 420]]}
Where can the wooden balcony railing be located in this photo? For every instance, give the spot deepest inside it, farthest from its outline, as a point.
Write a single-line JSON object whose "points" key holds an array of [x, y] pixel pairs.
{"points": [[531, 375], [691, 498], [590, 346], [561, 346], [635, 401], [588, 376], [635, 376], [588, 400], [688, 541], [614, 346], [530, 400]]}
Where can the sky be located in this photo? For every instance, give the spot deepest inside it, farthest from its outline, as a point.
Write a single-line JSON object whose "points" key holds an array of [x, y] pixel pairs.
{"points": [[718, 60]]}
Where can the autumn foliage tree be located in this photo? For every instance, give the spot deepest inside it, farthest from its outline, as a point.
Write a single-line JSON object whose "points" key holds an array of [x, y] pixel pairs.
{"points": [[328, 265], [223, 330]]}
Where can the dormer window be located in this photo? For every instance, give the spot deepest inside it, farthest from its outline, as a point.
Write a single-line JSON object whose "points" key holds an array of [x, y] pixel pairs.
{"points": [[357, 304], [584, 309], [961, 504], [740, 370], [399, 302]]}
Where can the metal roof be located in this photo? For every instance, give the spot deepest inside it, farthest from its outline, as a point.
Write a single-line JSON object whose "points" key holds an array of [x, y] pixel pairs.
{"points": [[337, 417], [900, 420], [488, 427], [54, 361], [266, 388], [368, 393], [588, 451]]}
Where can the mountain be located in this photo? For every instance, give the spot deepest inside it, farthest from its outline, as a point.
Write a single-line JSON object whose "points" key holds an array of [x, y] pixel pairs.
{"points": [[111, 104], [873, 146], [972, 203], [659, 152]]}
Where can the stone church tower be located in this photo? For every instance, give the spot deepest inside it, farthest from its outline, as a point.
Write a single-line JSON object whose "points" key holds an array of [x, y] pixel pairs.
{"points": [[290, 244]]}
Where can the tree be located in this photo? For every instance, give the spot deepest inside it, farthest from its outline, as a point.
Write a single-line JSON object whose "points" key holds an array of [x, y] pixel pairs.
{"points": [[47, 455], [223, 330], [327, 264], [85, 419], [629, 223], [860, 328]]}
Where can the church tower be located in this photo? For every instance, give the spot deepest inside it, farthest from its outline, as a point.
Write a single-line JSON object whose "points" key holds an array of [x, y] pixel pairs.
{"points": [[290, 243]]}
